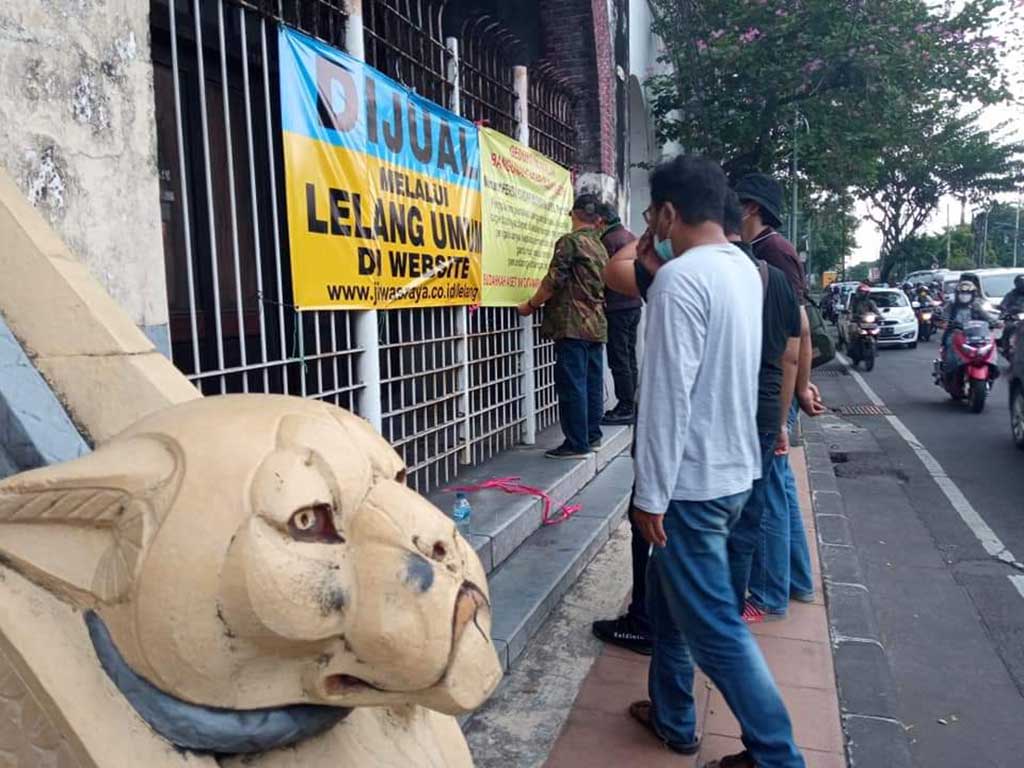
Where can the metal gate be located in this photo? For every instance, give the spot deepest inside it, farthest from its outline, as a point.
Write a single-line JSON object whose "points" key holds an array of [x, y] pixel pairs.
{"points": [[451, 378]]}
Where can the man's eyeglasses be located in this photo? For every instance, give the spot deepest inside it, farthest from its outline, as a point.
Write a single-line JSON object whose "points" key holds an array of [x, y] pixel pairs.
{"points": [[649, 214]]}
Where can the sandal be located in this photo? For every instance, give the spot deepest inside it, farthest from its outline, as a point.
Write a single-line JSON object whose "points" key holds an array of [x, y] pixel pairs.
{"points": [[742, 760], [641, 712]]}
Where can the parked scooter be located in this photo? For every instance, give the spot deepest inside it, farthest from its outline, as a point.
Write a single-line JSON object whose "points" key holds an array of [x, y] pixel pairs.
{"points": [[970, 370], [862, 339]]}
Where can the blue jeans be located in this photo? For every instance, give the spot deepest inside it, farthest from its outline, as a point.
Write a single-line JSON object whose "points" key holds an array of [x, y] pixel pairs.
{"points": [[579, 381], [693, 609], [782, 562], [745, 537]]}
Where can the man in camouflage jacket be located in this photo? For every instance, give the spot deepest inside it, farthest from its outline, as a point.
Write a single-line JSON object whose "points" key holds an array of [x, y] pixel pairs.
{"points": [[572, 294]]}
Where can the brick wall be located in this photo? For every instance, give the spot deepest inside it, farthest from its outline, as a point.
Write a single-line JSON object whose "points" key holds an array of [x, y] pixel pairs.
{"points": [[577, 40]]}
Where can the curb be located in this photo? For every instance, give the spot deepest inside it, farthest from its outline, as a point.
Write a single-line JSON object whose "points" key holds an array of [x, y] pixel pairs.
{"points": [[867, 690]]}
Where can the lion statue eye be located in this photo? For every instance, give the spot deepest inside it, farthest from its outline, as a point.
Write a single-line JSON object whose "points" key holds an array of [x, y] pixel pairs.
{"points": [[314, 524]]}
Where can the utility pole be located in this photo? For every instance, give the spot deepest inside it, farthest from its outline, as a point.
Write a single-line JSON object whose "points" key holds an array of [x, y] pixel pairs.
{"points": [[984, 237], [1016, 235], [949, 237], [796, 199]]}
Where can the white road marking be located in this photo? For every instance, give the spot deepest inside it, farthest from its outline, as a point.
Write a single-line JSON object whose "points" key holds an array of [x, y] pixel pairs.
{"points": [[1018, 582], [981, 530]]}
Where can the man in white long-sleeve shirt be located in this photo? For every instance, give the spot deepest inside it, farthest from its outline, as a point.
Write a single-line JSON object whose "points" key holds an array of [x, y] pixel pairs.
{"points": [[697, 455]]}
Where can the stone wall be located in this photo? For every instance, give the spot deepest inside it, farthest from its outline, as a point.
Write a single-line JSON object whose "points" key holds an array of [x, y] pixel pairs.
{"points": [[78, 136]]}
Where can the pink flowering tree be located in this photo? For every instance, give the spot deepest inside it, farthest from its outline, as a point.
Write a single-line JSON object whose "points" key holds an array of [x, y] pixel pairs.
{"points": [[872, 82]]}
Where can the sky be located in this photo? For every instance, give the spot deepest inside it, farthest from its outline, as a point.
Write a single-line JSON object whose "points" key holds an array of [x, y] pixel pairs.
{"points": [[869, 239]]}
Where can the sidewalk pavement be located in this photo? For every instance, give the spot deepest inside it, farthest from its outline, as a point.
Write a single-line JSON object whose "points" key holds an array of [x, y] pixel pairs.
{"points": [[600, 733]]}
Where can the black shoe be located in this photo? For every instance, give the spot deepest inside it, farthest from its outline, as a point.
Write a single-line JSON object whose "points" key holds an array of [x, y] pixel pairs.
{"points": [[595, 444], [619, 416], [565, 451], [625, 633]]}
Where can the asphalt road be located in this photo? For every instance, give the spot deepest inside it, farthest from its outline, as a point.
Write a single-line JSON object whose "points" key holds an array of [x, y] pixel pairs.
{"points": [[950, 614]]}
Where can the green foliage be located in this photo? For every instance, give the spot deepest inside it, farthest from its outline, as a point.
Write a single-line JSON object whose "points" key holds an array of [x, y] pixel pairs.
{"points": [[872, 92], [998, 239], [742, 68]]}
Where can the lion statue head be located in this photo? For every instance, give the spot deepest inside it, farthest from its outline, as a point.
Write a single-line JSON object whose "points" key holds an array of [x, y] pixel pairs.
{"points": [[255, 551]]}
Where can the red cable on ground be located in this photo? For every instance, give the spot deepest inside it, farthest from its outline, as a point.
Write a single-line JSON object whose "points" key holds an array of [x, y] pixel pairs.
{"points": [[512, 485]]}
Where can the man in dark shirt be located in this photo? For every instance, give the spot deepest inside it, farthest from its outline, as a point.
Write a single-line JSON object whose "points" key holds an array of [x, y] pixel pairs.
{"points": [[572, 294], [780, 356], [623, 314]]}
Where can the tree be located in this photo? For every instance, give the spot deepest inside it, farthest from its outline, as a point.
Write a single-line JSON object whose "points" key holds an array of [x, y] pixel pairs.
{"points": [[994, 231], [741, 70], [933, 152]]}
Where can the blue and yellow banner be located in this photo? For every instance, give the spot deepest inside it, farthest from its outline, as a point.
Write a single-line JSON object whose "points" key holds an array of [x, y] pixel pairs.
{"points": [[382, 187]]}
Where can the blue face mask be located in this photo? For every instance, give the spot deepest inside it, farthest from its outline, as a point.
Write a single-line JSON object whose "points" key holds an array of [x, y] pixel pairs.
{"points": [[663, 248]]}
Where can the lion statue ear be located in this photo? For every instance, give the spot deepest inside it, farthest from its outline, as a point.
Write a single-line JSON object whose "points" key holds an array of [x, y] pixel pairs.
{"points": [[78, 528]]}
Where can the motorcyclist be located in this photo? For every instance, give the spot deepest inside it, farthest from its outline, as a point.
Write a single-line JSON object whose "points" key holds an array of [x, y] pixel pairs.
{"points": [[922, 295], [965, 307], [861, 302], [1013, 302]]}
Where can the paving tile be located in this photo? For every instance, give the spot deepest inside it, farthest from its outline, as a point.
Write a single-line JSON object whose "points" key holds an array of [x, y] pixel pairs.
{"points": [[597, 740], [803, 622], [815, 716], [799, 663]]}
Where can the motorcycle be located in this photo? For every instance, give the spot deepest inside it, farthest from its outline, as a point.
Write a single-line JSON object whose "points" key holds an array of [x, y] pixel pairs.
{"points": [[925, 312], [862, 339], [971, 369], [1011, 321]]}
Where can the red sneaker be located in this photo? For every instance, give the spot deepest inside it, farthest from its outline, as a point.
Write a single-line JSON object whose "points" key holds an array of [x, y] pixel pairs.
{"points": [[752, 614]]}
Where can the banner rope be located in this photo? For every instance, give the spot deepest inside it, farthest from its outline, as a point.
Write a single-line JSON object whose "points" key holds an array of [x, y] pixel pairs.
{"points": [[514, 486]]}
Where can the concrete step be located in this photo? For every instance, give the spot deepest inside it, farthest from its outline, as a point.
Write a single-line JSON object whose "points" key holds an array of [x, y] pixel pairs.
{"points": [[501, 522], [529, 583]]}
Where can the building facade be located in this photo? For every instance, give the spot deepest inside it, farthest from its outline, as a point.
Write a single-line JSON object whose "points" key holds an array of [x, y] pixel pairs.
{"points": [[148, 135]]}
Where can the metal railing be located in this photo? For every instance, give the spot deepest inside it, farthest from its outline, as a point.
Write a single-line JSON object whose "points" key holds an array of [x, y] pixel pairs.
{"points": [[451, 381]]}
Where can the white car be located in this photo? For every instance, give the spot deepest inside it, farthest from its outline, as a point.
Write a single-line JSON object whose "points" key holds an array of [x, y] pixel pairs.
{"points": [[898, 320]]}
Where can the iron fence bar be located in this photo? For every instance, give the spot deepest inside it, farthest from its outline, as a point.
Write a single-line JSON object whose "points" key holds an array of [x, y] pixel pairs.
{"points": [[201, 68], [230, 155], [186, 217], [273, 205], [521, 79], [257, 248], [465, 430]]}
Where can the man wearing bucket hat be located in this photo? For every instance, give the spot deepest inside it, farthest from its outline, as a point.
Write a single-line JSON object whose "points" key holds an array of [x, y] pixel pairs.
{"points": [[761, 198], [782, 566]]}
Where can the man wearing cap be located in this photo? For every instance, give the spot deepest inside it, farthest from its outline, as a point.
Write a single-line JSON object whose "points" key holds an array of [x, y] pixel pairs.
{"points": [[572, 294], [623, 313]]}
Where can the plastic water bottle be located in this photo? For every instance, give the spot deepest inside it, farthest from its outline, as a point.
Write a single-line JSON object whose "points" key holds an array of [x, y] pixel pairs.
{"points": [[461, 510]]}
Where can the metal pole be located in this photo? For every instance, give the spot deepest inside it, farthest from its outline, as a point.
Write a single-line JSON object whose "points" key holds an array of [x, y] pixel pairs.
{"points": [[461, 313], [521, 83], [1016, 235], [367, 334], [796, 199], [984, 238], [949, 237]]}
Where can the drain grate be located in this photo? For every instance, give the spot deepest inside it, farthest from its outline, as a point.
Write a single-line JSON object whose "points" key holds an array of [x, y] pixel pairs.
{"points": [[861, 409], [830, 372]]}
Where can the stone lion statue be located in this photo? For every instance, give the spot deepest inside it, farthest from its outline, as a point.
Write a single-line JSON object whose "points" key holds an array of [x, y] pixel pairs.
{"points": [[243, 578]]}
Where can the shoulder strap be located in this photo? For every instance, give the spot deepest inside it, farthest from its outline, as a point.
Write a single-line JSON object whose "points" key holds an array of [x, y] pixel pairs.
{"points": [[762, 270]]}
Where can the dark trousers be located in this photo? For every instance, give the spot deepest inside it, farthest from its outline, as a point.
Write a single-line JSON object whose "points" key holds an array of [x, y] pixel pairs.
{"points": [[622, 328], [641, 551], [579, 381]]}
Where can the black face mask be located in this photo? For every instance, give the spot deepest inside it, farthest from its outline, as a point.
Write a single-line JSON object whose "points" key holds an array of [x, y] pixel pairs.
{"points": [[643, 279]]}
